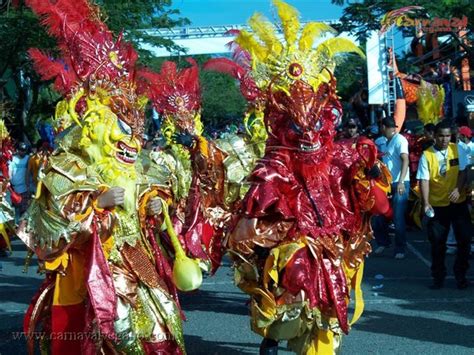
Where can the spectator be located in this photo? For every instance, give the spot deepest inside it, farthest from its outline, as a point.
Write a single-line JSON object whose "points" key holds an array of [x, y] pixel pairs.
{"points": [[460, 139], [18, 170], [465, 135], [442, 175], [394, 149], [351, 129]]}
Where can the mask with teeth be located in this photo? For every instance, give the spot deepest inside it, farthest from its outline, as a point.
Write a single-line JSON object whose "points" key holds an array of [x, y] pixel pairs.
{"points": [[308, 117], [98, 75], [111, 146], [294, 76]]}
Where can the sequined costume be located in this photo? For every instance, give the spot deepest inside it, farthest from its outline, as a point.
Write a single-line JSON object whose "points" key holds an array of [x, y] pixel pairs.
{"points": [[304, 230], [207, 177], [109, 287], [7, 195]]}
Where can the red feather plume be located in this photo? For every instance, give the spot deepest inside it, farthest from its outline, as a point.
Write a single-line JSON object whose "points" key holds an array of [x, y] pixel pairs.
{"points": [[224, 65], [91, 56], [49, 69], [172, 90]]}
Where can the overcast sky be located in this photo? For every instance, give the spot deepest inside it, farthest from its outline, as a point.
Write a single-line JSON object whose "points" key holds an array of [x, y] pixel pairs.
{"points": [[229, 12]]}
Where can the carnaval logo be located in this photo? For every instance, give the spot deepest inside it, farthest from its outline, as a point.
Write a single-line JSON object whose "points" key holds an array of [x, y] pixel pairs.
{"points": [[404, 18]]}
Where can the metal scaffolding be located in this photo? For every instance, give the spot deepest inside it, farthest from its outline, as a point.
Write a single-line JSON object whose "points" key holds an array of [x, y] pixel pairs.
{"points": [[209, 31]]}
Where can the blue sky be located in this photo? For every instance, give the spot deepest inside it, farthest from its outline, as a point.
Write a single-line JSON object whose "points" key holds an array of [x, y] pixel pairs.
{"points": [[230, 12]]}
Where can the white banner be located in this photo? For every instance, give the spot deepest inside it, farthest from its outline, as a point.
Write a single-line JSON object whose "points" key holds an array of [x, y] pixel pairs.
{"points": [[376, 67]]}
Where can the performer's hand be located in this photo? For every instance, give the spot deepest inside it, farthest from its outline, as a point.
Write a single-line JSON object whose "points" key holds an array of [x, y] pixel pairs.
{"points": [[374, 172], [154, 206], [454, 195], [112, 197], [184, 138]]}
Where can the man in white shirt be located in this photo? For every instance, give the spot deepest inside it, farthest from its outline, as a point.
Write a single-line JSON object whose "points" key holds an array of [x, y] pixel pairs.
{"points": [[394, 149], [465, 135]]}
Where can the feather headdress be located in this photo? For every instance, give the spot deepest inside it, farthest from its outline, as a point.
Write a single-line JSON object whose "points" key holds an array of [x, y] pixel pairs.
{"points": [[281, 63], [172, 90], [91, 59], [176, 96]]}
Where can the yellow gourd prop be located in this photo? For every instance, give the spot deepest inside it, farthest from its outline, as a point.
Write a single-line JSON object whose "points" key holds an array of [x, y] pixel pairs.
{"points": [[187, 275]]}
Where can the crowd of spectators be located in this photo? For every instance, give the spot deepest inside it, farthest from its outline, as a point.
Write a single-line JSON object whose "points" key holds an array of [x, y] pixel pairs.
{"points": [[432, 168], [431, 164]]}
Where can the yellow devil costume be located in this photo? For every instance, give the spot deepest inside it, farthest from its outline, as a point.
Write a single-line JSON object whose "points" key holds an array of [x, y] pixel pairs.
{"points": [[109, 285]]}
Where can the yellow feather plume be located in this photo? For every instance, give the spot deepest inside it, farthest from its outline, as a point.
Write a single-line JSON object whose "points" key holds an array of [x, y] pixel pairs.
{"points": [[311, 31], [265, 30], [289, 17], [248, 42], [335, 46]]}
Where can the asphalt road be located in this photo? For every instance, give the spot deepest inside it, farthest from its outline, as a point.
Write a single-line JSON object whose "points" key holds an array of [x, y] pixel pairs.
{"points": [[402, 316]]}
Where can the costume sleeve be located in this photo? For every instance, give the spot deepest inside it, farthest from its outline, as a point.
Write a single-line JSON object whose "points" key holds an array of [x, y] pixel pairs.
{"points": [[63, 216], [208, 163]]}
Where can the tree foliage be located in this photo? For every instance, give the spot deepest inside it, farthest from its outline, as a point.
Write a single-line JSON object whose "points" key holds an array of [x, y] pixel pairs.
{"points": [[351, 74], [19, 86], [138, 18], [20, 30], [222, 101]]}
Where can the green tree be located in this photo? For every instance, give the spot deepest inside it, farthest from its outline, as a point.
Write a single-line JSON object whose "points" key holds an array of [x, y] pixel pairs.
{"points": [[137, 19], [20, 30], [351, 74], [221, 100]]}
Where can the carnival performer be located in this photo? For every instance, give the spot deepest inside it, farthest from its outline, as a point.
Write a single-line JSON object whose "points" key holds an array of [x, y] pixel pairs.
{"points": [[205, 175], [304, 230], [95, 223], [7, 194]]}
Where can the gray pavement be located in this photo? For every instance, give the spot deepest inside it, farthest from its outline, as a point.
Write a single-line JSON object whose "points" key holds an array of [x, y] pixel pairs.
{"points": [[402, 316]]}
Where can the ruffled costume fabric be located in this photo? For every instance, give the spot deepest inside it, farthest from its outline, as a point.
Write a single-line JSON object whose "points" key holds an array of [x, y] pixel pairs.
{"points": [[108, 286], [303, 232], [299, 262]]}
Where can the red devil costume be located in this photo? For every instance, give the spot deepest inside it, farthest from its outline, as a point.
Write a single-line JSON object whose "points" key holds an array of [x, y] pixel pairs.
{"points": [[304, 229]]}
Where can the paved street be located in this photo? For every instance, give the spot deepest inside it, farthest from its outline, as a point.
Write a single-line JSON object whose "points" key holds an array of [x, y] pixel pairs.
{"points": [[402, 316]]}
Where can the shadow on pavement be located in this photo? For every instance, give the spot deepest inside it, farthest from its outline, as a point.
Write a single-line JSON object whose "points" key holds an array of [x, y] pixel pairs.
{"points": [[430, 330], [195, 345], [218, 302]]}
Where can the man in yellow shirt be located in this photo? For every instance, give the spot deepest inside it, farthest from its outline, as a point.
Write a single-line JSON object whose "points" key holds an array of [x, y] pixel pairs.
{"points": [[441, 173]]}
